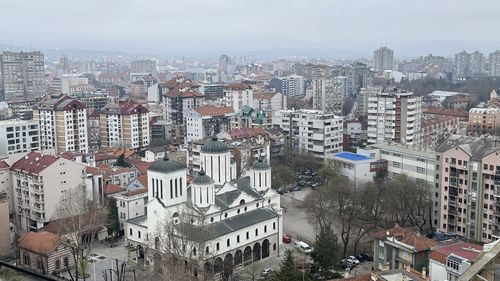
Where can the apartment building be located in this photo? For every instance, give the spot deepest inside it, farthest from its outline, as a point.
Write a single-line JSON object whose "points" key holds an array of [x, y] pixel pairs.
{"points": [[495, 63], [5, 242], [206, 120], [290, 86], [23, 75], [63, 124], [19, 136], [416, 162], [468, 174], [269, 101], [484, 121], [39, 182], [124, 124], [394, 115], [327, 95], [383, 59], [312, 131], [238, 95], [435, 130]]}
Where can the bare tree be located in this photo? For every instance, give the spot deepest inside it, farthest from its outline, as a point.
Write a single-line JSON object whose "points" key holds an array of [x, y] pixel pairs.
{"points": [[78, 221], [182, 241]]}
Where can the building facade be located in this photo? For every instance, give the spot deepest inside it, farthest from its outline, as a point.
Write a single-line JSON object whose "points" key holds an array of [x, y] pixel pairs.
{"points": [[19, 136], [23, 75], [383, 59], [63, 124], [394, 115], [312, 131], [124, 125], [206, 120], [484, 121], [327, 95], [495, 64]]}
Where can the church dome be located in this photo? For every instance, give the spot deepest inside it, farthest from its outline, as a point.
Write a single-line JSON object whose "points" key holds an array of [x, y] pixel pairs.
{"points": [[214, 146], [202, 179], [166, 166], [260, 165]]}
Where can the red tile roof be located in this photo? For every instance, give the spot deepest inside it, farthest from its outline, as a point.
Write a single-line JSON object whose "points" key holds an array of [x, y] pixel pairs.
{"points": [[112, 189], [436, 120], [246, 133], [42, 242], [449, 112], [136, 192], [143, 180], [175, 93], [462, 249], [4, 165], [406, 236], [212, 110], [238, 87], [34, 163], [141, 166], [263, 96]]}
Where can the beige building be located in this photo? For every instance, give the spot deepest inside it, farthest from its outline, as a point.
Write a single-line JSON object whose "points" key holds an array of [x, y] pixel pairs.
{"points": [[125, 125], [468, 174], [38, 183], [5, 243], [435, 130], [63, 124], [484, 121]]}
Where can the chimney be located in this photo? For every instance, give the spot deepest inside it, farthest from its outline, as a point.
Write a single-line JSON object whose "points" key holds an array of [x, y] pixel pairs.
{"points": [[424, 272]]}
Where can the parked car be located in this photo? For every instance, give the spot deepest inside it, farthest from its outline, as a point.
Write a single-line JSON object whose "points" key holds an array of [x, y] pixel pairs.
{"points": [[297, 188], [314, 185], [360, 258], [266, 272], [286, 238], [346, 265], [303, 247], [353, 259], [368, 257]]}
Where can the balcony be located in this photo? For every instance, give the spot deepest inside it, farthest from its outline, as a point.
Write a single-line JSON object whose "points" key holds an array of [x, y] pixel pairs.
{"points": [[39, 199], [39, 208]]}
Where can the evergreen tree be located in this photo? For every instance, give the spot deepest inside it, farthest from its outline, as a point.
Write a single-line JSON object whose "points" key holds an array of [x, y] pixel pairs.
{"points": [[120, 162], [287, 270], [325, 253], [113, 223]]}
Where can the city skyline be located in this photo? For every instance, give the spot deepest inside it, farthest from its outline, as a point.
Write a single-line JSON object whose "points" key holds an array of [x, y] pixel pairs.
{"points": [[246, 27]]}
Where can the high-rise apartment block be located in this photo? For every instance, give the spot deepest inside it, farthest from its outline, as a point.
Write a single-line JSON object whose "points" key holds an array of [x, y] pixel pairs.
{"points": [[63, 124], [469, 64], [468, 174], [462, 68], [495, 64], [383, 59], [327, 95], [312, 131], [23, 75], [484, 121], [290, 86], [19, 136], [394, 115], [144, 66], [124, 124]]}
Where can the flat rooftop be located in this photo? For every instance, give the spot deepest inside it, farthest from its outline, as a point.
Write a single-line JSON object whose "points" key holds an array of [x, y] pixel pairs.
{"points": [[352, 156]]}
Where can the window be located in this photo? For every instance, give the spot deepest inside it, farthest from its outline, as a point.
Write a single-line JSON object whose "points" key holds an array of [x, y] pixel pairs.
{"points": [[265, 228], [66, 262], [256, 232], [420, 170], [274, 226], [138, 234], [237, 239], [248, 235], [207, 250], [217, 246], [228, 242], [396, 164], [58, 264], [130, 232]]}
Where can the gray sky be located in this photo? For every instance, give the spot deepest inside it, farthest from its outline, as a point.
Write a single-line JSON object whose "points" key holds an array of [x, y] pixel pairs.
{"points": [[342, 28]]}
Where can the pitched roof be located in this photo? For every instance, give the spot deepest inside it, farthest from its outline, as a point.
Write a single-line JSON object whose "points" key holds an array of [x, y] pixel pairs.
{"points": [[476, 147], [34, 163], [4, 165], [83, 223], [112, 189], [176, 93], [264, 96], [406, 236], [42, 242], [135, 192], [462, 249], [449, 112], [124, 107], [212, 110], [143, 180], [246, 133], [141, 166], [238, 87]]}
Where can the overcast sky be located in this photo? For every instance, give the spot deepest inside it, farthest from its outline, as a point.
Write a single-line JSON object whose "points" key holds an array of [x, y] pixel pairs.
{"points": [[343, 28]]}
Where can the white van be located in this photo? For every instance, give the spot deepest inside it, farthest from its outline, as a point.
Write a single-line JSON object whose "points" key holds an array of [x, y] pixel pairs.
{"points": [[303, 247]]}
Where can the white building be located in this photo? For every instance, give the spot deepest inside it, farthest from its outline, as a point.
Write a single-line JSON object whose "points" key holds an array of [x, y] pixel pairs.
{"points": [[38, 183], [19, 136], [23, 75], [269, 101], [235, 219], [63, 124], [202, 121], [358, 168], [394, 115], [290, 86], [328, 95], [312, 131], [238, 95]]}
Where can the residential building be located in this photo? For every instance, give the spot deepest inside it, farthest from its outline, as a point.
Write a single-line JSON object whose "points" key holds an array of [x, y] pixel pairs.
{"points": [[383, 59], [5, 242], [290, 86], [312, 131], [327, 95], [44, 252], [397, 247], [354, 134], [484, 121], [238, 95], [462, 64], [242, 218], [124, 124], [439, 112], [212, 91], [435, 130], [468, 173], [495, 64], [5, 183], [269, 101], [71, 84], [416, 162], [450, 260], [394, 115], [63, 124], [483, 269], [39, 182], [133, 202], [23, 75], [362, 99], [476, 64], [143, 66], [19, 136], [357, 167], [206, 120]]}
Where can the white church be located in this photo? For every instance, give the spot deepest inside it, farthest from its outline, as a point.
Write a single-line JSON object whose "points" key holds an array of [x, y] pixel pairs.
{"points": [[233, 221]]}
